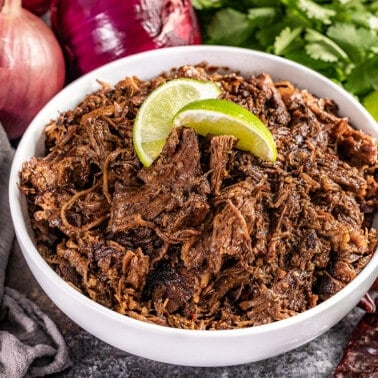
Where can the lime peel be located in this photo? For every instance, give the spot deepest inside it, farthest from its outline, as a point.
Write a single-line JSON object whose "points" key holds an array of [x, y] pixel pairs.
{"points": [[153, 122]]}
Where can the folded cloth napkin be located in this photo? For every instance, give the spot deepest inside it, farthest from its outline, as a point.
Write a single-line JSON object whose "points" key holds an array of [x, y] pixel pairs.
{"points": [[30, 343]]}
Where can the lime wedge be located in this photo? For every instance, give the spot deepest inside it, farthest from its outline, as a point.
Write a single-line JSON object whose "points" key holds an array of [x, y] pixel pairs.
{"points": [[153, 121], [222, 117]]}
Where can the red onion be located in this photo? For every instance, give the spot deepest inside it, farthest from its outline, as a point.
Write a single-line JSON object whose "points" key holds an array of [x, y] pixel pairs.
{"points": [[31, 66], [96, 32], [38, 7]]}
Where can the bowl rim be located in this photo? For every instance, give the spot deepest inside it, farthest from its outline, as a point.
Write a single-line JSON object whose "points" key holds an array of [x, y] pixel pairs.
{"points": [[25, 239]]}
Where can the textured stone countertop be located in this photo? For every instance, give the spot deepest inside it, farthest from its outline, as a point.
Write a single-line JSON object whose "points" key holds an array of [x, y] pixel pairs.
{"points": [[93, 358]]}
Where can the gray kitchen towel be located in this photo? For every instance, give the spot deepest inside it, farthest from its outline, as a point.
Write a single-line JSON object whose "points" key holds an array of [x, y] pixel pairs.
{"points": [[30, 343]]}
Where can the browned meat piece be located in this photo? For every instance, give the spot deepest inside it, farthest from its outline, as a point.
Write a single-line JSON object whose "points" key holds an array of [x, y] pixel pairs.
{"points": [[220, 151], [196, 250], [174, 189], [327, 286], [290, 295], [179, 162], [228, 280], [207, 237], [170, 289], [42, 175], [354, 146], [230, 238], [260, 96], [129, 208]]}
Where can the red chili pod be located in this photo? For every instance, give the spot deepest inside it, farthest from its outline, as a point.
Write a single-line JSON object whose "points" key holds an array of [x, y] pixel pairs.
{"points": [[360, 358], [93, 33]]}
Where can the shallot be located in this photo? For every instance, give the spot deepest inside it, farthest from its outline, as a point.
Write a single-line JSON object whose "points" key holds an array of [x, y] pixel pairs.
{"points": [[32, 67]]}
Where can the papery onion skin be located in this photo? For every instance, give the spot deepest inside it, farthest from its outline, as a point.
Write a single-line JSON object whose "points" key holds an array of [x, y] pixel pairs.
{"points": [[38, 7], [93, 33], [32, 68]]}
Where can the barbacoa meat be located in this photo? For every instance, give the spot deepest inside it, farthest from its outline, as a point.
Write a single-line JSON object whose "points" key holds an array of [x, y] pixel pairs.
{"points": [[208, 237]]}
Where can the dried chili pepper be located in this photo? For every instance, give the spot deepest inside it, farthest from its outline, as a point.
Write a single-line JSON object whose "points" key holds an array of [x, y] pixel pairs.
{"points": [[367, 303], [360, 358]]}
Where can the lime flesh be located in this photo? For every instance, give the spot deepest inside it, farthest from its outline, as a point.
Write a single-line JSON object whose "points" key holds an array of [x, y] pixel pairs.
{"points": [[222, 117]]}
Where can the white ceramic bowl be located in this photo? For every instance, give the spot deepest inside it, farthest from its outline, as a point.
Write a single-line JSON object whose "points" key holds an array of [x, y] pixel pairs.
{"points": [[177, 346]]}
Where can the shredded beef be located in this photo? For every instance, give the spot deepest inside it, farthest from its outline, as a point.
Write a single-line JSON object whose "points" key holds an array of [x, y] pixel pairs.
{"points": [[208, 237]]}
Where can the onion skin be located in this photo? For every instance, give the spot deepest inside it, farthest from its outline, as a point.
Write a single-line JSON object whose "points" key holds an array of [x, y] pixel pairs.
{"points": [[93, 33], [38, 7], [32, 67]]}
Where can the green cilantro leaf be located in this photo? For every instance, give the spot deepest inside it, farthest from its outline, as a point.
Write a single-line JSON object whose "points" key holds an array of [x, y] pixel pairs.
{"points": [[285, 39], [205, 4], [323, 48], [229, 27], [355, 41], [261, 3], [312, 10], [267, 36], [338, 38], [364, 77], [262, 16]]}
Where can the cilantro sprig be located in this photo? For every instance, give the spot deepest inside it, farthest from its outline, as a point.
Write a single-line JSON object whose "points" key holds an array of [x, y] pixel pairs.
{"points": [[338, 38]]}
